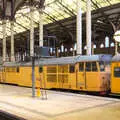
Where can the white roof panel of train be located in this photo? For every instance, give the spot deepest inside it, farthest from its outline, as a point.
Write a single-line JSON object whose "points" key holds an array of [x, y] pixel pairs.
{"points": [[74, 59], [11, 64], [63, 60], [44, 61], [116, 58], [100, 57], [54, 61]]}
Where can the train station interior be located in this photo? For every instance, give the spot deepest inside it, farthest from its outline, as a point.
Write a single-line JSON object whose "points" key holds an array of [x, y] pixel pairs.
{"points": [[59, 59]]}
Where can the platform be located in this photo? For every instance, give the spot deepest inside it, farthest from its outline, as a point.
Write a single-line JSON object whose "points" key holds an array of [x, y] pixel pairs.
{"points": [[59, 106]]}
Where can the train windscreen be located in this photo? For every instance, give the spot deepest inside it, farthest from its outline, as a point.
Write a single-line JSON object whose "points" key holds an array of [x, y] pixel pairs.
{"points": [[104, 66]]}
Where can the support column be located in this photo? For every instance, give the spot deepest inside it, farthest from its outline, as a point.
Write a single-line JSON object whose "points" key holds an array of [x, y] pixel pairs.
{"points": [[31, 32], [88, 27], [4, 39], [12, 42], [33, 77], [79, 29], [41, 28], [116, 47]]}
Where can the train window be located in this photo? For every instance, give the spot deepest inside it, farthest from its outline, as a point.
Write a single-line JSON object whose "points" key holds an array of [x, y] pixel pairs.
{"points": [[72, 68], [88, 66], [102, 66], [94, 66], [81, 66], [117, 71], [17, 69], [7, 69], [40, 69]]}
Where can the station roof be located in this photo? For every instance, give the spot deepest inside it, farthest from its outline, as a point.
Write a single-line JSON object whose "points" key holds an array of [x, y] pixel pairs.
{"points": [[54, 11]]}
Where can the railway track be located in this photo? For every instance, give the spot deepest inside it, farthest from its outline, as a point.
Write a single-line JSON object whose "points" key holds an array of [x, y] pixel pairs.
{"points": [[7, 116]]}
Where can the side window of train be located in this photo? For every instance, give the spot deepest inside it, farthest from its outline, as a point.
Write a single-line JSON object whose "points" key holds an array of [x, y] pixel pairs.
{"points": [[72, 69], [117, 72], [81, 66], [40, 69], [88, 66], [17, 69], [94, 67]]}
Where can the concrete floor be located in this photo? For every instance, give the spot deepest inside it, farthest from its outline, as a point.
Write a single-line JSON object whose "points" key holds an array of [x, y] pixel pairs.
{"points": [[59, 106]]}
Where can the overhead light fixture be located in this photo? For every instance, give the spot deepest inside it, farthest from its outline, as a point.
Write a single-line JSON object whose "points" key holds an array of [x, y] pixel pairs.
{"points": [[112, 44], [99, 21], [71, 49], [65, 49], [102, 45], [94, 46]]}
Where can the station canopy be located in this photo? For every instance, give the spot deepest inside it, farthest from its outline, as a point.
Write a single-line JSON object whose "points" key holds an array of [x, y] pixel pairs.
{"points": [[54, 10]]}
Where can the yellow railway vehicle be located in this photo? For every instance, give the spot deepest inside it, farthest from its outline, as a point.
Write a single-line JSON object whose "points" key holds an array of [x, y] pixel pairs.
{"points": [[115, 75], [85, 73], [93, 73]]}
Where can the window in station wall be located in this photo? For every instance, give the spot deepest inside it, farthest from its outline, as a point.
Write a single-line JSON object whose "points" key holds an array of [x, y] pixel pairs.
{"points": [[107, 41], [85, 47], [117, 71], [75, 46]]}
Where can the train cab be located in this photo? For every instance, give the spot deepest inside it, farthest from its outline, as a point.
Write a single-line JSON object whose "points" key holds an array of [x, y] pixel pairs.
{"points": [[84, 73], [115, 74], [93, 73]]}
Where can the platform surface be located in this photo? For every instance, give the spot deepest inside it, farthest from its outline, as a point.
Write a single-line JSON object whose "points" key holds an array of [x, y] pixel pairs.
{"points": [[59, 105]]}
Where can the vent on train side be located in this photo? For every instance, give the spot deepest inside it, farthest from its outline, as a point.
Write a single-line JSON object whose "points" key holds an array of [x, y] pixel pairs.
{"points": [[52, 73], [51, 69], [63, 78], [63, 69], [51, 78]]}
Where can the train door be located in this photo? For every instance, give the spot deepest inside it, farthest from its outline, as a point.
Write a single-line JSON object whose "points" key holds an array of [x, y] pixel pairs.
{"points": [[25, 76], [92, 76], [80, 76], [115, 78], [0, 74], [60, 76], [72, 76], [51, 76], [63, 72], [39, 77]]}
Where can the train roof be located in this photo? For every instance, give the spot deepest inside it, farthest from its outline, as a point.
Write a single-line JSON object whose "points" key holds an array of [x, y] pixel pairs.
{"points": [[45, 61], [63, 60], [116, 58], [100, 57]]}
